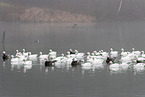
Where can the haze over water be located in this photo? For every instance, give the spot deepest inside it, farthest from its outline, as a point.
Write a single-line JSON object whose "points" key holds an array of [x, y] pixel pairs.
{"points": [[38, 81]]}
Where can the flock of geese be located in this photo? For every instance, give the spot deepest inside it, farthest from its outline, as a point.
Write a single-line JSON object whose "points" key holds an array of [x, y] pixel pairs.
{"points": [[116, 60]]}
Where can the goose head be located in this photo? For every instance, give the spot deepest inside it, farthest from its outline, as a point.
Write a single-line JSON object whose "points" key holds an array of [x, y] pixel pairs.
{"points": [[17, 51], [142, 52], [62, 55], [12, 56], [70, 50], [23, 50], [40, 53], [76, 51], [111, 49], [133, 49], [50, 50], [68, 53], [122, 49], [4, 52], [92, 54], [88, 53], [101, 51]]}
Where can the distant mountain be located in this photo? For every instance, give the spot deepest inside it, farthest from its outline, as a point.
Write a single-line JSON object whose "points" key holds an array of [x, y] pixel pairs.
{"points": [[101, 10]]}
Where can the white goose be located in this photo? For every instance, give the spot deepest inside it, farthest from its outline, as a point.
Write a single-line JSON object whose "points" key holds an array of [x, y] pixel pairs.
{"points": [[18, 53], [136, 53], [52, 53], [114, 66], [60, 61], [86, 66], [139, 66], [32, 56], [43, 56], [113, 53], [70, 55], [27, 62], [25, 53], [123, 53], [14, 60], [124, 66], [79, 56]]}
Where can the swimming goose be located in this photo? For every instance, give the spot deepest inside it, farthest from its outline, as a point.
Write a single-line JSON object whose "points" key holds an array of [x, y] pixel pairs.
{"points": [[136, 53], [124, 53], [16, 60], [104, 54], [139, 59], [79, 55], [114, 66], [43, 56], [32, 56], [97, 61], [25, 53], [139, 66], [71, 51], [70, 55], [124, 66], [75, 62], [61, 61], [52, 53], [5, 56], [50, 63], [113, 53], [27, 62], [142, 54], [109, 59], [18, 53], [86, 64]]}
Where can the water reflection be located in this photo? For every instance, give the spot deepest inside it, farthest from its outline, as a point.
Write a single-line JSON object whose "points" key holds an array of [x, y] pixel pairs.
{"points": [[17, 66], [27, 67], [121, 68]]}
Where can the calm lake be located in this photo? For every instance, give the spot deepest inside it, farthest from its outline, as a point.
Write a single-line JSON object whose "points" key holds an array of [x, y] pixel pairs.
{"points": [[38, 81]]}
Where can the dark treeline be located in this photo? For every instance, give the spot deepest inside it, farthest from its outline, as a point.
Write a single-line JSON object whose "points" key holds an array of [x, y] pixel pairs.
{"points": [[101, 9]]}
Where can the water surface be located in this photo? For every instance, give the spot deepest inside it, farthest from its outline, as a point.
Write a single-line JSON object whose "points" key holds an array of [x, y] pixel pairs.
{"points": [[38, 81]]}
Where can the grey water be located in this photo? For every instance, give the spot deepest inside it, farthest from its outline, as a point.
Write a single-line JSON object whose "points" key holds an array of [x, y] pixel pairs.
{"points": [[39, 81]]}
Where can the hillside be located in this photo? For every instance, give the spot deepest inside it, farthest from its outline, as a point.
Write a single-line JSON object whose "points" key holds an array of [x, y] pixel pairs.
{"points": [[36, 14], [71, 10]]}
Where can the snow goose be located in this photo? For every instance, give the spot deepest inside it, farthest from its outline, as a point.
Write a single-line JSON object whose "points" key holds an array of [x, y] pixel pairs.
{"points": [[18, 53], [14, 60], [114, 66], [86, 65], [27, 62], [113, 53], [25, 53], [124, 66], [32, 56], [60, 61], [139, 66], [43, 56], [136, 53], [52, 53], [123, 53]]}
